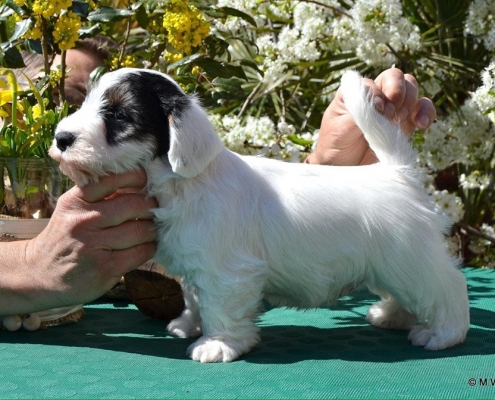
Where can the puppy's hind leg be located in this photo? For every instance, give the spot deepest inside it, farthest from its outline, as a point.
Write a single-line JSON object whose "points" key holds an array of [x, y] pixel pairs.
{"points": [[445, 310], [189, 323], [390, 314], [427, 285]]}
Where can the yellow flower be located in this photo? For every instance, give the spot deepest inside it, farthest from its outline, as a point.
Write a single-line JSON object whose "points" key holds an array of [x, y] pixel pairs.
{"points": [[36, 110], [186, 27], [55, 76], [155, 26], [20, 3], [35, 32], [173, 57], [129, 61], [49, 8], [66, 29], [5, 96]]}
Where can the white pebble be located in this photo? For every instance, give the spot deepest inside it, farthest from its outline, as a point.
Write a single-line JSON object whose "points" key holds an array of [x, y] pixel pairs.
{"points": [[32, 322], [12, 322]]}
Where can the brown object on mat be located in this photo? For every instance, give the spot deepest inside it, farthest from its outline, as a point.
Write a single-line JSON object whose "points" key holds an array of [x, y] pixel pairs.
{"points": [[154, 294]]}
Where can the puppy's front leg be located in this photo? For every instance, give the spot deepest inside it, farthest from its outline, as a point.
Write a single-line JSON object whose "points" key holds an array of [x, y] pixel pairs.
{"points": [[227, 311]]}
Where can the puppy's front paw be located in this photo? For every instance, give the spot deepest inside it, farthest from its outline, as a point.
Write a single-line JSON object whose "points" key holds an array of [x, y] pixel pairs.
{"points": [[208, 350], [185, 327], [220, 349]]}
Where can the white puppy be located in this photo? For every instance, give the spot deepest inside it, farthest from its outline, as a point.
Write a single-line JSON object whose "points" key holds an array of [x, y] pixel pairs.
{"points": [[238, 229]]}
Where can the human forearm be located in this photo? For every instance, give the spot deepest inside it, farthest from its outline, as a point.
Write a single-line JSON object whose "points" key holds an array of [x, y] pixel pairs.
{"points": [[93, 238], [16, 280]]}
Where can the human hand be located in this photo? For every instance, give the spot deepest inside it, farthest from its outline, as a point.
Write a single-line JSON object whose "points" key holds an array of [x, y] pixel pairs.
{"points": [[97, 234], [395, 95]]}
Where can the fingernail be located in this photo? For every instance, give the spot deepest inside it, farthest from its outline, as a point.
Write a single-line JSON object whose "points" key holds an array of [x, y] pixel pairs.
{"points": [[379, 104], [402, 116], [423, 121], [389, 111]]}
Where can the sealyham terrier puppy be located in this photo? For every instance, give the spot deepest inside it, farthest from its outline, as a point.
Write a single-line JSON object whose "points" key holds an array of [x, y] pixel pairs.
{"points": [[238, 229]]}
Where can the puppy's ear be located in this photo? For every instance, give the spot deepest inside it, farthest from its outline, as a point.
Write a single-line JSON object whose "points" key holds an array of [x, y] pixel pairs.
{"points": [[193, 141]]}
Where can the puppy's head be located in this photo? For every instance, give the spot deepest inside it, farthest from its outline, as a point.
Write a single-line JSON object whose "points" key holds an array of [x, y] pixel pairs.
{"points": [[130, 118]]}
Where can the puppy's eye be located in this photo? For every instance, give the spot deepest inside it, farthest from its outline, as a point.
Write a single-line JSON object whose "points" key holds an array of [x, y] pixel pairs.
{"points": [[119, 114]]}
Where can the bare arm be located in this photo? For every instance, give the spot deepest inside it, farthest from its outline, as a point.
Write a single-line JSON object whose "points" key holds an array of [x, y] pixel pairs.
{"points": [[93, 238]]}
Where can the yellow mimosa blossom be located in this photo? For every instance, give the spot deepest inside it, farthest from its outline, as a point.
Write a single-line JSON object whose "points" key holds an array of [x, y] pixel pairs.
{"points": [[49, 8], [173, 57], [55, 76], [129, 61], [155, 26], [186, 27], [66, 29], [35, 32]]}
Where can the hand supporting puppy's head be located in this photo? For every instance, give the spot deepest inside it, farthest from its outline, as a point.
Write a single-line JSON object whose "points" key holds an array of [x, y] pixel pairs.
{"points": [[131, 117]]}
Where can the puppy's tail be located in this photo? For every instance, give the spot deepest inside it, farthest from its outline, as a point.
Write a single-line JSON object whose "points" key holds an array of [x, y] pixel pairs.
{"points": [[386, 139]]}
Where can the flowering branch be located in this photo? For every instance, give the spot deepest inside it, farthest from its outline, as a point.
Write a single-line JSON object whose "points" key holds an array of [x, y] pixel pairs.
{"points": [[469, 230]]}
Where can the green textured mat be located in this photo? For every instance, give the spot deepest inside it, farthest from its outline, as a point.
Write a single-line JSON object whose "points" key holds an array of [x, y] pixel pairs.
{"points": [[116, 352]]}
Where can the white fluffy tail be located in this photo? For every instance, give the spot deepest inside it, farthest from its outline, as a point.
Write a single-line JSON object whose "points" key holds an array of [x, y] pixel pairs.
{"points": [[385, 138]]}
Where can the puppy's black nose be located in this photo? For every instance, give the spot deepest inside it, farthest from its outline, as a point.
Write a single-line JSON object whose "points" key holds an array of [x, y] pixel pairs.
{"points": [[64, 140]]}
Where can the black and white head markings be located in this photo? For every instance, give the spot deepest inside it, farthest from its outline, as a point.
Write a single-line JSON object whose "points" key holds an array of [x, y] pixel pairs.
{"points": [[124, 123]]}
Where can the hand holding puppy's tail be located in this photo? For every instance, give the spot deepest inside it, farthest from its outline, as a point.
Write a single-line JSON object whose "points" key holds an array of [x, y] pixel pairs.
{"points": [[385, 138]]}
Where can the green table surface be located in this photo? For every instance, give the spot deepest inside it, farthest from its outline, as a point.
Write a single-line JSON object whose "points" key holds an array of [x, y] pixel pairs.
{"points": [[116, 352]]}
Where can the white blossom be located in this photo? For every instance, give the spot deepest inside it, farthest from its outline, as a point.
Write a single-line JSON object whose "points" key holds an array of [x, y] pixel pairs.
{"points": [[484, 96], [259, 136], [480, 21], [484, 247], [375, 30], [475, 181], [448, 204], [466, 138]]}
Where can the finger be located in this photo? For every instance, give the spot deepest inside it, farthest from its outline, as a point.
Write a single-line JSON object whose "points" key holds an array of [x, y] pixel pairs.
{"points": [[424, 113], [422, 116], [129, 234], [109, 184], [124, 207], [409, 102], [380, 100], [129, 259], [393, 86]]}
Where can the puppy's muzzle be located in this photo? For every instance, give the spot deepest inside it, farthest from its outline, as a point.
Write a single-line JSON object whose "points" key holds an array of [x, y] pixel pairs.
{"points": [[64, 140]]}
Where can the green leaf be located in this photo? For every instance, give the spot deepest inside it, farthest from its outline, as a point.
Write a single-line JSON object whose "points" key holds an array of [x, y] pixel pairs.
{"points": [[20, 28], [214, 68], [15, 7], [253, 65], [80, 7], [108, 14], [185, 61], [13, 59], [89, 31], [229, 85], [299, 140], [240, 14], [142, 17]]}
